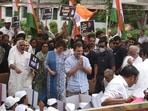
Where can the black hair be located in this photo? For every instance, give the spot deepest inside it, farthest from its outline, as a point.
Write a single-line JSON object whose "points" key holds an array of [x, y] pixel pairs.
{"points": [[45, 36], [129, 70], [102, 40], [91, 35], [116, 38], [33, 40], [21, 101], [5, 35], [1, 32], [20, 35], [77, 44], [98, 33], [45, 43], [60, 43]]}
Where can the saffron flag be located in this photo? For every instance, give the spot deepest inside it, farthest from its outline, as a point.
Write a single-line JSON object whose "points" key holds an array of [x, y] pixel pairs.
{"points": [[71, 2], [31, 19], [117, 17], [15, 8], [82, 14]]}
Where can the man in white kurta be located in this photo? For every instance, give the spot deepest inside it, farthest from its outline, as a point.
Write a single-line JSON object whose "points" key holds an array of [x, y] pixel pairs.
{"points": [[142, 82], [20, 76]]}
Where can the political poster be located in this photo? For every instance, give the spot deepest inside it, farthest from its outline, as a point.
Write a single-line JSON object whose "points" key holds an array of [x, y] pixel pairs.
{"points": [[15, 22], [47, 13], [67, 11], [34, 62], [87, 26]]}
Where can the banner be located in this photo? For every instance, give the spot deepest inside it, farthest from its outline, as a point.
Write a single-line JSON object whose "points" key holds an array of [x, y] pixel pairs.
{"points": [[47, 13], [67, 11], [87, 26], [15, 22], [34, 62]]}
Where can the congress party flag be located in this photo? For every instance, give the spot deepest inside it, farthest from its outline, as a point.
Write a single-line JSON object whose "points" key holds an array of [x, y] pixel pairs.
{"points": [[15, 8], [31, 19], [117, 17], [82, 14]]}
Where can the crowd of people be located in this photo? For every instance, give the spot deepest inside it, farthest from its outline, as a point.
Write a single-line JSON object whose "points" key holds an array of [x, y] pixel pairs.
{"points": [[71, 66]]}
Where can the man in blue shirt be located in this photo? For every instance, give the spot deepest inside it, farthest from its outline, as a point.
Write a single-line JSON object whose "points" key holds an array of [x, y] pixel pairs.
{"points": [[77, 67]]}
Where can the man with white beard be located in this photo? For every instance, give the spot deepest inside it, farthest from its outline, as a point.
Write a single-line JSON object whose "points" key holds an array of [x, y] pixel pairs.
{"points": [[20, 72]]}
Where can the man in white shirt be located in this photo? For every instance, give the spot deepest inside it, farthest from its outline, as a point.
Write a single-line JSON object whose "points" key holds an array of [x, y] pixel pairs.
{"points": [[7, 28], [133, 56], [143, 38], [20, 72], [117, 90]]}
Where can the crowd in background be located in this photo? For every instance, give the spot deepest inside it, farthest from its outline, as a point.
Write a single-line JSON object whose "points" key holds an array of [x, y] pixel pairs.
{"points": [[70, 66]]}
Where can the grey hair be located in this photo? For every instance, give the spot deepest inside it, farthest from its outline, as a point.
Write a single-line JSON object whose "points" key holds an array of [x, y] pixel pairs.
{"points": [[18, 42], [110, 71], [135, 48]]}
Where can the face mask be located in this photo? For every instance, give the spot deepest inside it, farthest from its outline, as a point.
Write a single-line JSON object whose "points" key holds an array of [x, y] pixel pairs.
{"points": [[86, 53], [102, 49]]}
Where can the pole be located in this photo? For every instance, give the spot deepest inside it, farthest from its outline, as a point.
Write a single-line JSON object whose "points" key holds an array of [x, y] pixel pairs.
{"points": [[38, 6], [106, 21]]}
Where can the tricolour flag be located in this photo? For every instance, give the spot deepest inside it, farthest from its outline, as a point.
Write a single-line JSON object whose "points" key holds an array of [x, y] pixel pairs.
{"points": [[31, 19], [15, 8], [117, 17], [71, 2], [73, 30], [82, 14]]}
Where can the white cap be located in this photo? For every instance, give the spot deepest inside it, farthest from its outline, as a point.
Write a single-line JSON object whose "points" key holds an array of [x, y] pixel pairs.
{"points": [[51, 101], [10, 101], [8, 20], [52, 109], [82, 104], [20, 94], [70, 107], [20, 32]]}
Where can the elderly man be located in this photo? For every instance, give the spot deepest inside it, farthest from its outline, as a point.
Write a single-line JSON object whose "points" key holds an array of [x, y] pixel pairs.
{"points": [[77, 67], [133, 56], [116, 91], [108, 76], [20, 77]]}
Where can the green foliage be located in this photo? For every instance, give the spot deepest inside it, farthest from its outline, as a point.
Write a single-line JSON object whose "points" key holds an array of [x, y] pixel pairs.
{"points": [[133, 14], [99, 16], [1, 23], [53, 27]]}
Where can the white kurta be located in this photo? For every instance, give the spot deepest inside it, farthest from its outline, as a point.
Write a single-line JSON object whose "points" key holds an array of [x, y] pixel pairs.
{"points": [[19, 81], [142, 82], [22, 107], [117, 88], [9, 32]]}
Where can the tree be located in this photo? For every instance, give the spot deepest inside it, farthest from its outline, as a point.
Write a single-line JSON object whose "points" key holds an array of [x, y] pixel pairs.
{"points": [[135, 15]]}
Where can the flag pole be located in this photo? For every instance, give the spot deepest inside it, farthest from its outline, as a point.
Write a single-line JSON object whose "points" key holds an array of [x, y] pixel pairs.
{"points": [[106, 21]]}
